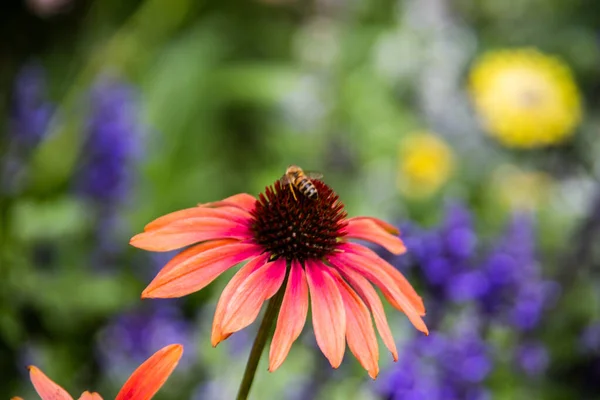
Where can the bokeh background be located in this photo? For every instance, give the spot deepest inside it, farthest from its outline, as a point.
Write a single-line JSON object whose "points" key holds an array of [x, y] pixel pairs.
{"points": [[473, 125]]}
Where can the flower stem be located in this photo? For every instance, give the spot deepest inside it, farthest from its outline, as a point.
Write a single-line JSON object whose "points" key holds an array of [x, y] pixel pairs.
{"points": [[259, 343]]}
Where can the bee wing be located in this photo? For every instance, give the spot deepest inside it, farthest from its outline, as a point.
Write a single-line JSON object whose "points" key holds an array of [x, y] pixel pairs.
{"points": [[313, 174], [285, 180]]}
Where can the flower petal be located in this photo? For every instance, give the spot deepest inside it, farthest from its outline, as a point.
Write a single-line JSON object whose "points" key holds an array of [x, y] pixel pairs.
{"points": [[359, 328], [389, 228], [45, 387], [370, 296], [233, 213], [328, 314], [189, 231], [292, 316], [365, 267], [246, 302], [152, 374], [403, 284], [198, 270], [244, 201], [217, 335], [90, 396], [367, 229]]}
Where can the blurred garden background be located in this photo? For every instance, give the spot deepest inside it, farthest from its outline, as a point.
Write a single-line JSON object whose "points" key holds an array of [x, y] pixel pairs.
{"points": [[472, 125]]}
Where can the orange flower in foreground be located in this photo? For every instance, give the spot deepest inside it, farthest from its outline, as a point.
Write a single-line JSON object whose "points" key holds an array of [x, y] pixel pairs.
{"points": [[301, 241], [141, 385]]}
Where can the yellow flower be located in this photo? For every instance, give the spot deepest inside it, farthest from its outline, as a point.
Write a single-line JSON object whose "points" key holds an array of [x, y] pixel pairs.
{"points": [[519, 189], [425, 164], [526, 99]]}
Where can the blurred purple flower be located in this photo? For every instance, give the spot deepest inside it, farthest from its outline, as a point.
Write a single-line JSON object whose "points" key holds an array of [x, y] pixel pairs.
{"points": [[29, 120], [31, 111], [589, 341], [439, 367], [128, 339], [112, 143], [532, 358]]}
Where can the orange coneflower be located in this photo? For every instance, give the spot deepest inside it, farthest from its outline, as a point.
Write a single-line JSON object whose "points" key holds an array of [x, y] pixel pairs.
{"points": [[141, 385], [295, 239]]}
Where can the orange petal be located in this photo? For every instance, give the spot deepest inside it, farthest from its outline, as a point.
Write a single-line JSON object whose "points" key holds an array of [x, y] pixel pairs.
{"points": [[152, 374], [389, 228], [197, 271], [244, 201], [16, 398], [217, 333], [359, 329], [383, 280], [328, 314], [189, 231], [403, 283], [367, 229], [369, 295], [233, 213], [45, 387], [292, 316], [90, 396], [245, 303]]}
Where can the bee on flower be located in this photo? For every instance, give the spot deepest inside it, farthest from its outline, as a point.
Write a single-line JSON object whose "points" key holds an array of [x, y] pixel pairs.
{"points": [[294, 245], [525, 98]]}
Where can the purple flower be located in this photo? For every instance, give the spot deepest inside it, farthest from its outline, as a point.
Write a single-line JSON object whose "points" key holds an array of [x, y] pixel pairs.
{"points": [[128, 340], [28, 123], [532, 358], [111, 145], [31, 112]]}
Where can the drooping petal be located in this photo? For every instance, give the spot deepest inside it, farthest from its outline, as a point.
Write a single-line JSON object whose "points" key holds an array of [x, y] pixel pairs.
{"points": [[370, 296], [245, 303], [389, 228], [359, 329], [367, 229], [328, 314], [292, 316], [90, 396], [233, 213], [403, 284], [217, 333], [45, 387], [152, 374], [197, 271], [189, 231], [192, 252], [365, 267], [244, 201]]}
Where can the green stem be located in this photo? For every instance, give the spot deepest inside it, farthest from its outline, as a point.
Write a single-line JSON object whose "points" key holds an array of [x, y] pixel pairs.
{"points": [[259, 343]]}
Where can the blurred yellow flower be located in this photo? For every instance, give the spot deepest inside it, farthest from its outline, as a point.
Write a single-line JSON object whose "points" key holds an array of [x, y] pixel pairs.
{"points": [[526, 99], [519, 189], [425, 164]]}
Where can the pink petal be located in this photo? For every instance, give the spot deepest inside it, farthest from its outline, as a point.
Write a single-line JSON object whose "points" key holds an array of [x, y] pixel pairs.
{"points": [[403, 284], [149, 377], [45, 387], [366, 229], [369, 295], [246, 302], [359, 329], [189, 231], [197, 271], [232, 213], [365, 267], [389, 228], [292, 316], [90, 396], [217, 333], [328, 314], [243, 200]]}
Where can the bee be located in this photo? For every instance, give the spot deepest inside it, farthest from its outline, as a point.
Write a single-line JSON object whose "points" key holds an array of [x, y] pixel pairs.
{"points": [[296, 177]]}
